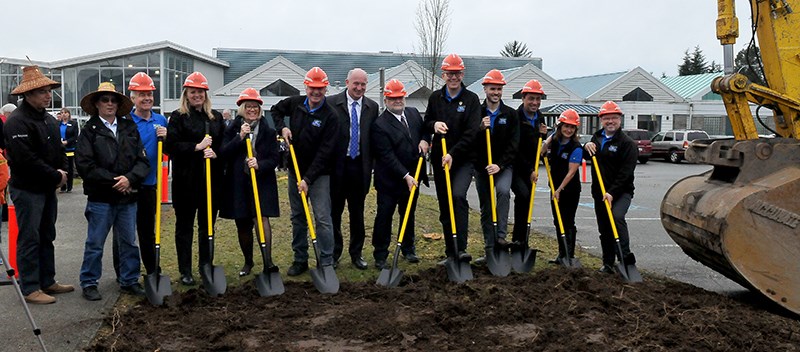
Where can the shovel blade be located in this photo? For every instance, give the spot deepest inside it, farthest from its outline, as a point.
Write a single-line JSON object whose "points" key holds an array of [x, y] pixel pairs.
{"points": [[389, 277], [523, 259], [573, 263], [325, 279], [498, 261], [458, 271], [269, 284], [629, 272], [214, 281], [156, 287]]}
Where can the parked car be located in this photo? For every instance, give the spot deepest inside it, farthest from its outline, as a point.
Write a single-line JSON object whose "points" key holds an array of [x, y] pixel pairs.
{"points": [[642, 138], [671, 145]]}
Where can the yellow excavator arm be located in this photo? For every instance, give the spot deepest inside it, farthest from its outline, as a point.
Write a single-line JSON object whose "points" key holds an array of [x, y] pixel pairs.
{"points": [[742, 218]]}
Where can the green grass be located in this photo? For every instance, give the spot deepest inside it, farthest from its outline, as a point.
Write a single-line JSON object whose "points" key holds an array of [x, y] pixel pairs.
{"points": [[228, 254]]}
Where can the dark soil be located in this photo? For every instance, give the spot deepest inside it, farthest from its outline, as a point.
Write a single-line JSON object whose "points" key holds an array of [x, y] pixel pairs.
{"points": [[550, 310]]}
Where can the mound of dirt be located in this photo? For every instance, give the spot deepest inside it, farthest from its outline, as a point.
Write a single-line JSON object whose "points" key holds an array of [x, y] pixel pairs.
{"points": [[551, 310]]}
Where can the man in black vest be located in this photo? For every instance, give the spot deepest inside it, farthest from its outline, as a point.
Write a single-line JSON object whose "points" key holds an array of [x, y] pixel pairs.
{"points": [[352, 175], [398, 142]]}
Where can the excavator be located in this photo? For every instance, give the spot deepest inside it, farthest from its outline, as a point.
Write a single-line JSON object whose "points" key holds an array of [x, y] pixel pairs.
{"points": [[742, 218]]}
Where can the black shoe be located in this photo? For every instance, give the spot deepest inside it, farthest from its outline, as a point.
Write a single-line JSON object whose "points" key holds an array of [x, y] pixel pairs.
{"points": [[480, 261], [91, 293], [360, 263], [188, 280], [297, 268], [606, 269], [501, 243], [135, 289], [272, 269], [555, 260], [380, 264], [464, 256], [411, 258], [245, 270]]}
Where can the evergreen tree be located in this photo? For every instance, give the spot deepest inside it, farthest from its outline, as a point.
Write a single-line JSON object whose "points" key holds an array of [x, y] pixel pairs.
{"points": [[515, 49], [693, 63], [752, 69]]}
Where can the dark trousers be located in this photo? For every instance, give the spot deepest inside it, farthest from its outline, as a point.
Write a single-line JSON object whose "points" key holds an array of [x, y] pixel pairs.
{"points": [[146, 225], [618, 208], [350, 188], [568, 206], [70, 174], [36, 218], [460, 179], [521, 186], [382, 231], [184, 231]]}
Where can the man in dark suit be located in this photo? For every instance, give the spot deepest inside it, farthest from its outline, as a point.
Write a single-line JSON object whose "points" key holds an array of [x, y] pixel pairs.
{"points": [[352, 175], [397, 143]]}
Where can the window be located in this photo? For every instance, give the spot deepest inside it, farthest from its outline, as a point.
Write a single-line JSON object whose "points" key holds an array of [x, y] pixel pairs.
{"points": [[279, 88], [697, 135], [637, 94], [669, 137], [659, 137], [679, 136]]}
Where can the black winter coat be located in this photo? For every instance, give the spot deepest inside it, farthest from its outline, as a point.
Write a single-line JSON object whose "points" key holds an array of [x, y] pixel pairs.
{"points": [[617, 162], [237, 201], [396, 151], [505, 139], [71, 135], [529, 140], [100, 156], [184, 131], [462, 115], [34, 149], [313, 135]]}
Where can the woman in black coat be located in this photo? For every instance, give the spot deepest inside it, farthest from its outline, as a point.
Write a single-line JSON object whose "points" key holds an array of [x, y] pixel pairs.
{"points": [[238, 202], [189, 147]]}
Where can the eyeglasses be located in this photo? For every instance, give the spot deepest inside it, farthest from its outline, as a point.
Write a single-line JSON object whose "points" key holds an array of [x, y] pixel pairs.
{"points": [[251, 107], [454, 74], [108, 99], [611, 117]]}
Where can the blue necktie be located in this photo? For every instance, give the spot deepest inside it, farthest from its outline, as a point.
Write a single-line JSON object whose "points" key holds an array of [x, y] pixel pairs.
{"points": [[354, 131]]}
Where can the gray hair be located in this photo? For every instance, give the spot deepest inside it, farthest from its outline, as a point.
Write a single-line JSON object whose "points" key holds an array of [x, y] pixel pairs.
{"points": [[354, 71], [7, 109]]}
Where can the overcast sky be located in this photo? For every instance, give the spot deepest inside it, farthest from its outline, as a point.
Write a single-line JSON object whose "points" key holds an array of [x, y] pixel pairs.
{"points": [[574, 38]]}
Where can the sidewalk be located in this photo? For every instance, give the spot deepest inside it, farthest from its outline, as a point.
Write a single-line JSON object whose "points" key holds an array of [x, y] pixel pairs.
{"points": [[71, 323]]}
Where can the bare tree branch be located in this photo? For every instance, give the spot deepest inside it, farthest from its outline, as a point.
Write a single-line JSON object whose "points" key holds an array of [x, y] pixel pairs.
{"points": [[433, 26]]}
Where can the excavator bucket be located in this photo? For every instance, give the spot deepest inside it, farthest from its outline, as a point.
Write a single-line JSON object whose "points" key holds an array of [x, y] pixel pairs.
{"points": [[742, 219]]}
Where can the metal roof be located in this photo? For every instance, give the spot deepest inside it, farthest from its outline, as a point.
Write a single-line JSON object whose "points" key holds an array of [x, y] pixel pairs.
{"points": [[587, 85], [23, 62], [582, 109], [136, 50], [477, 86], [336, 63], [691, 86]]}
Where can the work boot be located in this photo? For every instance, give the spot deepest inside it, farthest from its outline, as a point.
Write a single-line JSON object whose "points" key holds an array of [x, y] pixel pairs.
{"points": [[480, 261], [572, 235], [630, 259], [606, 269], [135, 289], [91, 293], [464, 256], [57, 288], [39, 297], [297, 268], [501, 243]]}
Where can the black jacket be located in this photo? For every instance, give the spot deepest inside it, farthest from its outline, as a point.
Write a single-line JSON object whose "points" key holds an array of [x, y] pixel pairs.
{"points": [[100, 156], [529, 139], [34, 149], [71, 134], [237, 201], [559, 164], [184, 131], [617, 162], [462, 115], [369, 112], [505, 139], [313, 135], [396, 150]]}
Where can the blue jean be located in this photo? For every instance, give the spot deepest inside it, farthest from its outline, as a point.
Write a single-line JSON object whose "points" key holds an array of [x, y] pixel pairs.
{"points": [[319, 197], [101, 217]]}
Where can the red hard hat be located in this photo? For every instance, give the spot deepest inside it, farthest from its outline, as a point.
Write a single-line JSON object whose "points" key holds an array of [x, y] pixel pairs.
{"points": [[533, 86], [249, 94], [141, 82], [609, 108], [570, 117], [394, 89], [452, 62], [494, 77], [316, 78], [196, 80]]}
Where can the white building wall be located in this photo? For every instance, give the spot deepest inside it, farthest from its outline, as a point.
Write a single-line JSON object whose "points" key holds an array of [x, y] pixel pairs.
{"points": [[640, 81], [214, 74]]}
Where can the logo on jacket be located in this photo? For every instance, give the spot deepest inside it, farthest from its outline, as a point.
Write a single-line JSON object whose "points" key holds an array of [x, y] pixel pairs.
{"points": [[564, 155], [461, 108], [502, 121], [612, 148], [316, 123]]}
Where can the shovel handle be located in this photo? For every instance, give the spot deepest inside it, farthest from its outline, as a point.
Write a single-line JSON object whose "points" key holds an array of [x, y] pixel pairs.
{"points": [[533, 185], [208, 193], [261, 237], [491, 177], [311, 231], [555, 201], [449, 190], [159, 179], [408, 204], [608, 204]]}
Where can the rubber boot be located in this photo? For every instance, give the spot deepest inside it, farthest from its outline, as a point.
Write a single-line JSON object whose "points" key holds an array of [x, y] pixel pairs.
{"points": [[571, 237], [561, 249]]}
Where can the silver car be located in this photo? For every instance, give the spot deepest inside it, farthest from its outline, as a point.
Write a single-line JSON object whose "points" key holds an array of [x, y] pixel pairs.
{"points": [[671, 145]]}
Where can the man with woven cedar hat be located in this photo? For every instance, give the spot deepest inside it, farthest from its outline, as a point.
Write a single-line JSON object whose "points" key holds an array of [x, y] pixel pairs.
{"points": [[36, 155], [112, 163]]}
